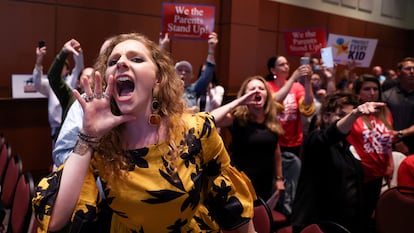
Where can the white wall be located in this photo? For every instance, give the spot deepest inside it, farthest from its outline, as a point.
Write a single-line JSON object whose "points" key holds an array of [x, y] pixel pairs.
{"points": [[396, 13]]}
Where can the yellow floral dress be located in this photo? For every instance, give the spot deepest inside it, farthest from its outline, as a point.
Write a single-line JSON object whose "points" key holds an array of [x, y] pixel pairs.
{"points": [[205, 194]]}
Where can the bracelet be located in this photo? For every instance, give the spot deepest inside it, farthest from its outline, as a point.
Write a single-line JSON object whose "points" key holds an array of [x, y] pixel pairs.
{"points": [[84, 143], [81, 147], [279, 178], [88, 138]]}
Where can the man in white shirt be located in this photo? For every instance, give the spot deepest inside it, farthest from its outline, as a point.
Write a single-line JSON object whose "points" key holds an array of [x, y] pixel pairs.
{"points": [[42, 85]]}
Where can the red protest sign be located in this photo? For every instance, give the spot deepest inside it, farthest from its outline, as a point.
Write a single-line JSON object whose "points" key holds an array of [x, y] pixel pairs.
{"points": [[187, 21], [303, 41]]}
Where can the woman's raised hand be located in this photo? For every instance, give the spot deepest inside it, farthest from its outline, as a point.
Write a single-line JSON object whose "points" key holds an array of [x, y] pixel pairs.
{"points": [[98, 118]]}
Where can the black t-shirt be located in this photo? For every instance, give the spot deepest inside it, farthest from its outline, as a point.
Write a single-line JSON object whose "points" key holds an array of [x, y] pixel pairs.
{"points": [[253, 151]]}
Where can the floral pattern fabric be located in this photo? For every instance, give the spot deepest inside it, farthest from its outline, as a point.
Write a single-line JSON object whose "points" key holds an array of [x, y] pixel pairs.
{"points": [[206, 191]]}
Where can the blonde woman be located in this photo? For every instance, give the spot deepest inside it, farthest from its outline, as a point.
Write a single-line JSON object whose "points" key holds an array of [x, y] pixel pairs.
{"points": [[255, 131]]}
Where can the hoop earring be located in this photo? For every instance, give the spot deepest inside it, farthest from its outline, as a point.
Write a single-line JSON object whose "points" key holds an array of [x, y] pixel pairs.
{"points": [[155, 118]]}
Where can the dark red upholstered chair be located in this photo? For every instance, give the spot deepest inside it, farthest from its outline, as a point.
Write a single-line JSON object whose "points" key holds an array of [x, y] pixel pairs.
{"points": [[325, 227], [4, 159], [395, 211], [262, 219], [313, 228], [21, 210], [13, 171]]}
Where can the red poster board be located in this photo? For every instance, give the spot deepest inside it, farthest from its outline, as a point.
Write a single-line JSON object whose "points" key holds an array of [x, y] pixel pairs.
{"points": [[187, 21], [310, 40]]}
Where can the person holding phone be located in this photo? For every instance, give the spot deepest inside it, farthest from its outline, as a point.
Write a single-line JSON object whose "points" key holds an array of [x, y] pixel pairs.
{"points": [[51, 86], [297, 100]]}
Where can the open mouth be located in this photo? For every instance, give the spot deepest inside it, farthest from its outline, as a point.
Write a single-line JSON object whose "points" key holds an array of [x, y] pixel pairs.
{"points": [[124, 86], [257, 98]]}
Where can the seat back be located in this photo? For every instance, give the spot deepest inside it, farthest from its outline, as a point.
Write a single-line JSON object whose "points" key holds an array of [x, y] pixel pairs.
{"points": [[4, 159], [331, 226], [313, 228], [262, 219], [395, 210], [14, 169], [325, 227], [21, 211]]}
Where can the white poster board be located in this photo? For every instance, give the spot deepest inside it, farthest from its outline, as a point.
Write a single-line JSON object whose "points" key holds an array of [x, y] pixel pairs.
{"points": [[23, 87], [347, 49], [327, 57]]}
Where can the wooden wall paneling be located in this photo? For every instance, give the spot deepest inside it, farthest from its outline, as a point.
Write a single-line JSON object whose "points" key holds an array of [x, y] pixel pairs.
{"points": [[223, 69], [245, 13], [242, 57], [391, 43], [84, 25], [223, 63], [345, 26], [292, 17], [242, 42], [390, 37], [22, 26], [386, 55], [267, 44], [269, 15], [26, 128], [92, 36], [147, 7]]}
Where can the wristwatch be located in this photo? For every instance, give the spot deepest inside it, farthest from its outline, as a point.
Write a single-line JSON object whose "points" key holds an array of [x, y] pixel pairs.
{"points": [[81, 147], [400, 134]]}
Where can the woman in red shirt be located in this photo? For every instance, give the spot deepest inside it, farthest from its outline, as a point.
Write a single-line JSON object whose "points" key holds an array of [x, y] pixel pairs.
{"points": [[371, 138]]}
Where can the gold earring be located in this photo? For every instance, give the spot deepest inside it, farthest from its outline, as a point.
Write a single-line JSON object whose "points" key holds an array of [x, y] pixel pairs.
{"points": [[155, 118]]}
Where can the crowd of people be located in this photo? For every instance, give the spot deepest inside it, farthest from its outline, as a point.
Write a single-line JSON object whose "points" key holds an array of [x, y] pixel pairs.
{"points": [[136, 136]]}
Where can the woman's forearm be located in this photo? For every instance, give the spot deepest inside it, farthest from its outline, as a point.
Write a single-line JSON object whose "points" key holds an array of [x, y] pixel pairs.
{"points": [[73, 176]]}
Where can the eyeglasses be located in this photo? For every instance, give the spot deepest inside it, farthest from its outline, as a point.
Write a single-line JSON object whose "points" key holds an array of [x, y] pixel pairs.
{"points": [[408, 68], [283, 64]]}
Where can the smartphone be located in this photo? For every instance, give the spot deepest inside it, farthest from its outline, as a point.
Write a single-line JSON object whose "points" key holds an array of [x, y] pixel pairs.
{"points": [[41, 44], [304, 61]]}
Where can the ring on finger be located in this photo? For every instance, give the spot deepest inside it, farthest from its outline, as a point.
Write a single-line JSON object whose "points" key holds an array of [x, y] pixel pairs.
{"points": [[88, 98], [98, 95], [101, 95]]}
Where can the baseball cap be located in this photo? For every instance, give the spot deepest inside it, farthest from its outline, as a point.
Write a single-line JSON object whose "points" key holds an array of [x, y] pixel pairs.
{"points": [[185, 64]]}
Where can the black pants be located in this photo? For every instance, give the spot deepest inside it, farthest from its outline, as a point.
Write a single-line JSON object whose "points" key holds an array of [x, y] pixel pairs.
{"points": [[372, 191]]}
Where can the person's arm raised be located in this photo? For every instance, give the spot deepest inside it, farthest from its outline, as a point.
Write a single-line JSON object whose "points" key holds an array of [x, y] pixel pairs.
{"points": [[97, 121], [301, 71], [222, 115], [212, 43], [345, 124]]}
